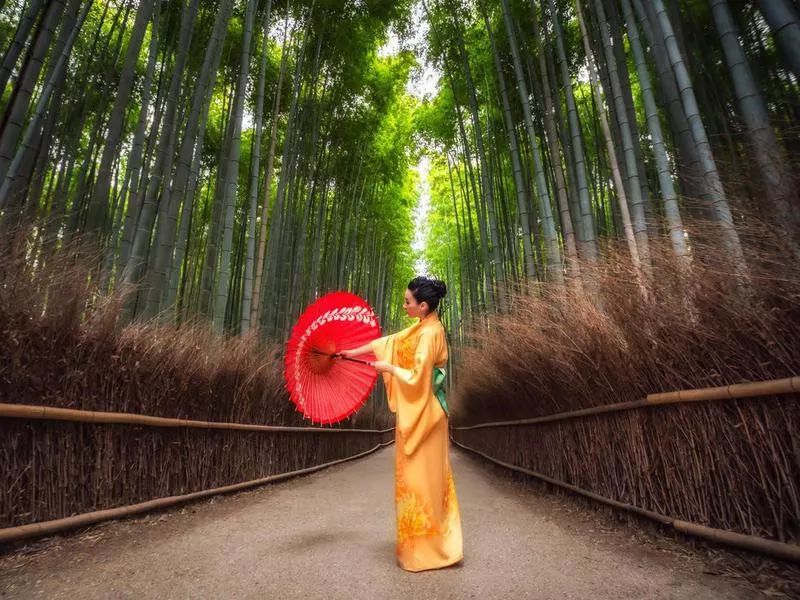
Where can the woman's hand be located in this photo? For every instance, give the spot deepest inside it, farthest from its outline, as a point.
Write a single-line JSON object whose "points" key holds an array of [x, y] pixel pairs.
{"points": [[345, 354], [381, 366]]}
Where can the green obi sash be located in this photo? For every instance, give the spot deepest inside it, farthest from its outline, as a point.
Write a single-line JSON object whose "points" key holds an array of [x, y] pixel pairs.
{"points": [[439, 379]]}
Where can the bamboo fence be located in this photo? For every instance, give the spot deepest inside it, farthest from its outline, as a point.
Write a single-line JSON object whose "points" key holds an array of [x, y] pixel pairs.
{"points": [[719, 463], [62, 468], [737, 540], [754, 389], [11, 534], [50, 413]]}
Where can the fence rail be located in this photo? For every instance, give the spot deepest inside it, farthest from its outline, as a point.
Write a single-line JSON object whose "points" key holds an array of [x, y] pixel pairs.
{"points": [[729, 392], [11, 534], [49, 413], [144, 465]]}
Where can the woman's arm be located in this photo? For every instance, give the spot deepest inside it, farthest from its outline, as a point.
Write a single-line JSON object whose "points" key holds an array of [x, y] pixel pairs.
{"points": [[381, 366], [356, 351]]}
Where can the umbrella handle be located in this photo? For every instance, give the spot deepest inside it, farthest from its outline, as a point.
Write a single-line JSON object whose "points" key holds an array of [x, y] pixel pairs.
{"points": [[356, 360], [340, 357]]}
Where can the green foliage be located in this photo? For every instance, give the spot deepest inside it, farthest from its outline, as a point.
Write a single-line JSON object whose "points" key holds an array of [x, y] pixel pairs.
{"points": [[343, 186]]}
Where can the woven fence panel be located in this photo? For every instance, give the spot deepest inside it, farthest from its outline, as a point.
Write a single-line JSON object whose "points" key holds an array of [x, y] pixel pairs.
{"points": [[731, 465]]}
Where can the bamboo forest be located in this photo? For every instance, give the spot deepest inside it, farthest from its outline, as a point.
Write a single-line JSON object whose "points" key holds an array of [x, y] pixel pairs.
{"points": [[609, 190]]}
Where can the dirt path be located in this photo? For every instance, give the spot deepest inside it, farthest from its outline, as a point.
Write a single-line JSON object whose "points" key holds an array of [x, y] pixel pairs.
{"points": [[331, 535]]}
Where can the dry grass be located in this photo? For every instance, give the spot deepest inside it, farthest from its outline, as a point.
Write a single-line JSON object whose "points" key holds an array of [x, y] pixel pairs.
{"points": [[558, 351], [733, 465], [61, 345]]}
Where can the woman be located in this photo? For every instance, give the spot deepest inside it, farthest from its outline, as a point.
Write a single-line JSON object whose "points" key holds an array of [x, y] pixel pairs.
{"points": [[412, 362]]}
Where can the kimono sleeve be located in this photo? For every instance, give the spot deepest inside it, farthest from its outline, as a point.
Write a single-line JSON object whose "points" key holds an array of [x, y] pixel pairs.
{"points": [[383, 348], [415, 386]]}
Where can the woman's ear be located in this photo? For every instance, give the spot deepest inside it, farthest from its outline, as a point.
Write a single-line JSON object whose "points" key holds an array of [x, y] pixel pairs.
{"points": [[424, 308]]}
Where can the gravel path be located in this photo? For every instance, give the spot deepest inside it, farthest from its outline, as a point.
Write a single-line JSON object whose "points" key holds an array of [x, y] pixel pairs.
{"points": [[331, 535]]}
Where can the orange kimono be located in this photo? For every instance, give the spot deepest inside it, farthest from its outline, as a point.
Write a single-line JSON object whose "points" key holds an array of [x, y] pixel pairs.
{"points": [[428, 519]]}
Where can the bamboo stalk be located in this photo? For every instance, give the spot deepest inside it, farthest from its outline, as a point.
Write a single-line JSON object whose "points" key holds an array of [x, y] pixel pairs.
{"points": [[753, 543], [755, 389], [10, 534], [739, 390], [49, 413]]}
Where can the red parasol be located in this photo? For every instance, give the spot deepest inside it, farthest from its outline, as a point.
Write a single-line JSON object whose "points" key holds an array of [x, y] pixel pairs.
{"points": [[324, 387]]}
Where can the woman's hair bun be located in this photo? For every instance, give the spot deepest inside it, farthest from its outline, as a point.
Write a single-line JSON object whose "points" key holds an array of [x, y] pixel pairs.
{"points": [[428, 289]]}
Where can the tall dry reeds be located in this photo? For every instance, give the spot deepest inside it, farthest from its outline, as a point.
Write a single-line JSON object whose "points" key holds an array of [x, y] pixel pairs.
{"points": [[732, 465], [557, 351], [62, 345]]}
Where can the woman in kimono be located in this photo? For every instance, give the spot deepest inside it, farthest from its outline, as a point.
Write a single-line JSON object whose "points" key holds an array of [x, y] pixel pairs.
{"points": [[412, 363]]}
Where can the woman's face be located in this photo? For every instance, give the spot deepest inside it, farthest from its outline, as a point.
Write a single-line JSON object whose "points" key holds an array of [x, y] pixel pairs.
{"points": [[412, 308]]}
